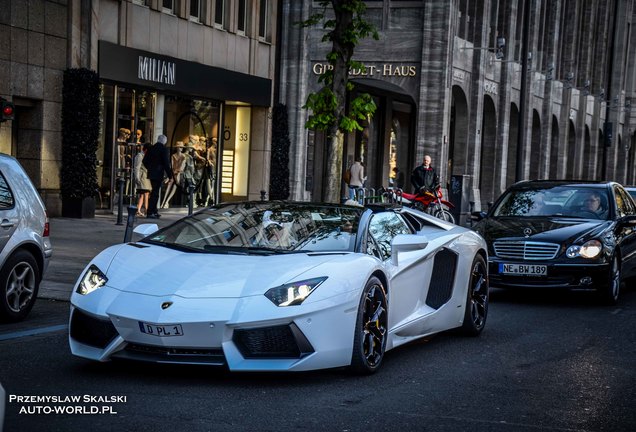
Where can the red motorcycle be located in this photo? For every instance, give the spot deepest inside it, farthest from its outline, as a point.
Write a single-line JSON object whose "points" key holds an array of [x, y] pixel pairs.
{"points": [[426, 201]]}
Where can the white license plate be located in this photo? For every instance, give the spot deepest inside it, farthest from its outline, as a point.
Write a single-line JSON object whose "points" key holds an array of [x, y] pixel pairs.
{"points": [[523, 269], [161, 330]]}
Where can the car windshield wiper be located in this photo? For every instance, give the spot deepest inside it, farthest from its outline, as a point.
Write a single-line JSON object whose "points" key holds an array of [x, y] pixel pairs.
{"points": [[271, 251], [179, 247]]}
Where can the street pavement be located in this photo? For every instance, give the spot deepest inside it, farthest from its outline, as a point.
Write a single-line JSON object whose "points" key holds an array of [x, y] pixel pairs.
{"points": [[76, 241]]}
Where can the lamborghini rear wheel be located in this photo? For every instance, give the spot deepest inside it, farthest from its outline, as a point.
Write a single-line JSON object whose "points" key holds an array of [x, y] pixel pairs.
{"points": [[369, 342]]}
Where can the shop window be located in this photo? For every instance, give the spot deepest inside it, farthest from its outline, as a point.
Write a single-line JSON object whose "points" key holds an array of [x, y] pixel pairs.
{"points": [[191, 126], [241, 23]]}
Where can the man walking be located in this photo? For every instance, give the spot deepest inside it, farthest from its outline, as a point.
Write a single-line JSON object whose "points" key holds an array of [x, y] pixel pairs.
{"points": [[157, 162], [424, 178]]}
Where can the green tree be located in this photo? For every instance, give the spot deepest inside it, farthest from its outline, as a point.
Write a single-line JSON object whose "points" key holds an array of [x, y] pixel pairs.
{"points": [[344, 26]]}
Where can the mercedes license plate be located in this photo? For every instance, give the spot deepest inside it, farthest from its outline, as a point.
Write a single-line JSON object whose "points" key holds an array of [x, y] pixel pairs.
{"points": [[161, 330], [523, 269]]}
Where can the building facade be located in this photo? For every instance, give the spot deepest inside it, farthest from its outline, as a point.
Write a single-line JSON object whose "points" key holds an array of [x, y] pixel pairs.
{"points": [[199, 71], [449, 80]]}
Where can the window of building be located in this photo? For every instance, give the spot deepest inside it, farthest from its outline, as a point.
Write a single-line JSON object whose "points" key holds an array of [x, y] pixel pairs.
{"points": [[195, 10], [141, 2], [241, 23], [168, 6], [219, 13], [263, 20]]}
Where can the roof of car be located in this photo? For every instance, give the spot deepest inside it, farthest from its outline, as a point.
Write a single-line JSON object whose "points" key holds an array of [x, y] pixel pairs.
{"points": [[553, 183]]}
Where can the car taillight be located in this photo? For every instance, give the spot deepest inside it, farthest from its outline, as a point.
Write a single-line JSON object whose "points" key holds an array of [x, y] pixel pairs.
{"points": [[46, 226]]}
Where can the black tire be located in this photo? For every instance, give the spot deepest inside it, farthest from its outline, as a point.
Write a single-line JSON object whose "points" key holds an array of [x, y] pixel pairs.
{"points": [[19, 285], [610, 291], [476, 310], [371, 330], [445, 215]]}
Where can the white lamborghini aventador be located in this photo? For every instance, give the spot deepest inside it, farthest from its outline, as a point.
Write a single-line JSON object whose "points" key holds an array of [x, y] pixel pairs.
{"points": [[280, 286]]}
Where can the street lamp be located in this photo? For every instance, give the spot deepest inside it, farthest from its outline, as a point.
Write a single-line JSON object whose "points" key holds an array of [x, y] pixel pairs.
{"points": [[499, 48]]}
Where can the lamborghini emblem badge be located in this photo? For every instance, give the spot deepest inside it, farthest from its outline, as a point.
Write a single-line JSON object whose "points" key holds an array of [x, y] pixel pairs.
{"points": [[166, 305]]}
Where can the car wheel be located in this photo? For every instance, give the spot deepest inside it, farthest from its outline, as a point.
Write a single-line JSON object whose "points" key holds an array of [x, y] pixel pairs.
{"points": [[476, 310], [19, 283], [609, 292], [370, 336]]}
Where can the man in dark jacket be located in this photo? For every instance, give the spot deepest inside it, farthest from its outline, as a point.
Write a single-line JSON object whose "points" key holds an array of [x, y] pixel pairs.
{"points": [[157, 162], [424, 178]]}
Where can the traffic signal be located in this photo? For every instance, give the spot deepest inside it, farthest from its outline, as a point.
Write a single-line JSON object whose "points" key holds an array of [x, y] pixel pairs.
{"points": [[8, 110]]}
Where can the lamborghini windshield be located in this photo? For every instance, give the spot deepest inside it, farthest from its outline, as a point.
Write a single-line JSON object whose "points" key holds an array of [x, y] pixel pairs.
{"points": [[264, 228]]}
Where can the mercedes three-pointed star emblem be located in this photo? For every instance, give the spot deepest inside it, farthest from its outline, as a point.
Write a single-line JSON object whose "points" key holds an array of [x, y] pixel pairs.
{"points": [[527, 232]]}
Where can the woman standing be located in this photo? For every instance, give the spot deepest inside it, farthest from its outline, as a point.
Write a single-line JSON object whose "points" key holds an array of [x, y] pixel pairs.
{"points": [[142, 183]]}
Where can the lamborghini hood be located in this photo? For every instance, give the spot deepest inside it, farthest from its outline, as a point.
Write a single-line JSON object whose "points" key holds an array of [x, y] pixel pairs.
{"points": [[159, 271]]}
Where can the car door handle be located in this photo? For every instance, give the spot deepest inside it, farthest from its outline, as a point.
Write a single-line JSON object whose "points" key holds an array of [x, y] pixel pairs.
{"points": [[6, 223]]}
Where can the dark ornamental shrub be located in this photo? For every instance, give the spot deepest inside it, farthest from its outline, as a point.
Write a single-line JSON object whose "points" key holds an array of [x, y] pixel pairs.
{"points": [[279, 178], [80, 132]]}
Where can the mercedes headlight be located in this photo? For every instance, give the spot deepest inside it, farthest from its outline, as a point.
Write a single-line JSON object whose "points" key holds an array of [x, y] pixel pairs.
{"points": [[93, 279], [589, 249], [293, 294]]}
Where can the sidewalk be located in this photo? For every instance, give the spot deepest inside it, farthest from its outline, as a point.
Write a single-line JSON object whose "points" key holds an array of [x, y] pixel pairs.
{"points": [[76, 241]]}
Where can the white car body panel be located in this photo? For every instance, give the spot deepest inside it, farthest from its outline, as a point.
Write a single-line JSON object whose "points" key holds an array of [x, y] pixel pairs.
{"points": [[213, 295]]}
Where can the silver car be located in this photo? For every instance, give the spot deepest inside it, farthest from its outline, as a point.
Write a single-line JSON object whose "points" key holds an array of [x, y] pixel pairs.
{"points": [[25, 246]]}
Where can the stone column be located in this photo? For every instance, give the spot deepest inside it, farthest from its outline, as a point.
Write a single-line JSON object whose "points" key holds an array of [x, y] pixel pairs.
{"points": [[433, 118], [294, 74]]}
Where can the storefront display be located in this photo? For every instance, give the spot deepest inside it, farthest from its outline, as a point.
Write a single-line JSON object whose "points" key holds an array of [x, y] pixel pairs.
{"points": [[190, 111]]}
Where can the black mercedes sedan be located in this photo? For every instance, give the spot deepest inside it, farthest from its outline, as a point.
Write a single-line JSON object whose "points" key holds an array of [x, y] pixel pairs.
{"points": [[561, 234]]}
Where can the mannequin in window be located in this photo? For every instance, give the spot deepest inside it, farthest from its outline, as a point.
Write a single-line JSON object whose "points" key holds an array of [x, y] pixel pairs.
{"points": [[142, 183], [187, 178], [122, 140], [210, 171], [178, 161], [198, 154], [139, 134]]}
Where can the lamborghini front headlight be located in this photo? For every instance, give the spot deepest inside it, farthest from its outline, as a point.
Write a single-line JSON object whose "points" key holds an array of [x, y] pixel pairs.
{"points": [[93, 279], [293, 294]]}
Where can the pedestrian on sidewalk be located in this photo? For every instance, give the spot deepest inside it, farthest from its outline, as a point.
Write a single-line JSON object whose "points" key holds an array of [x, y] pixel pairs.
{"points": [[424, 178], [357, 179], [142, 183], [157, 162]]}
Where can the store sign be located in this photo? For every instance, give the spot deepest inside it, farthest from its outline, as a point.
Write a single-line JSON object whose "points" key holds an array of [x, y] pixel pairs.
{"points": [[152, 69], [383, 70], [134, 67]]}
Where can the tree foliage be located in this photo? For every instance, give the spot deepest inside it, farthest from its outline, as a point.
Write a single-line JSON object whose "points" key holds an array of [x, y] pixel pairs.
{"points": [[345, 26]]}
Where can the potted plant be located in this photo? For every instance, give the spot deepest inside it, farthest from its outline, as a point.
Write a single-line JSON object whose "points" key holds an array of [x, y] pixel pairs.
{"points": [[80, 132]]}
